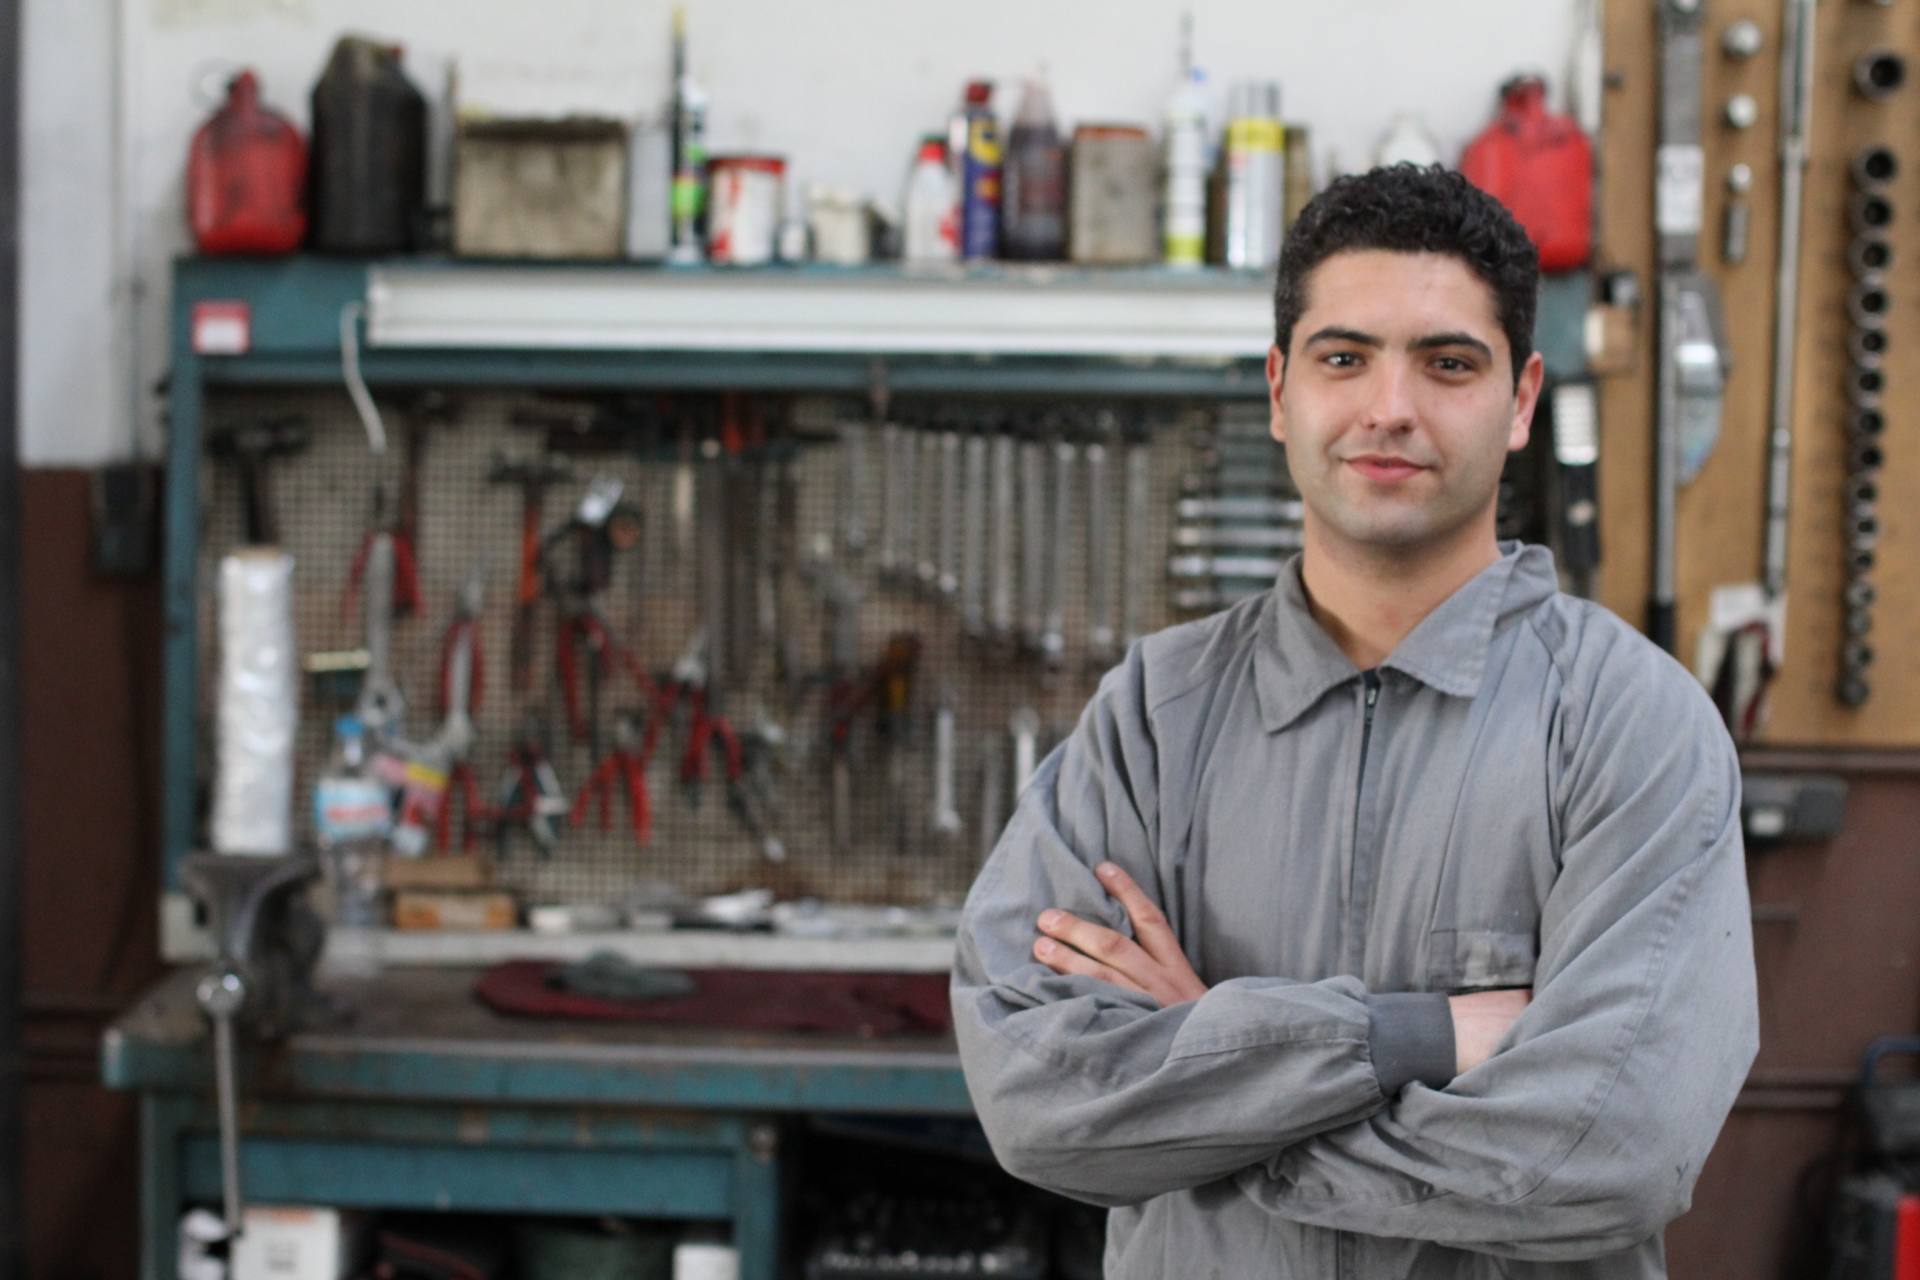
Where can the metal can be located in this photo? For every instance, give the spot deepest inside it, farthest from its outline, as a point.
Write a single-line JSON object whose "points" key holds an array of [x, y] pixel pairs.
{"points": [[746, 195]]}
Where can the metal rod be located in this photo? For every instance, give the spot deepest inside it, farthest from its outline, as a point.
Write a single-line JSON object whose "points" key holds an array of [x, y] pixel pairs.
{"points": [[1796, 116]]}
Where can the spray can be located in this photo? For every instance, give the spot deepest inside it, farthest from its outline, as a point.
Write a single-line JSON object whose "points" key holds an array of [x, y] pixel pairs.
{"points": [[689, 127], [980, 176], [1186, 193], [1256, 176]]}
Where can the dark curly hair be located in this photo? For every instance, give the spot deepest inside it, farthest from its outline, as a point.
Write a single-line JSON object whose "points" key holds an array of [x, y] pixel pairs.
{"points": [[1406, 208]]}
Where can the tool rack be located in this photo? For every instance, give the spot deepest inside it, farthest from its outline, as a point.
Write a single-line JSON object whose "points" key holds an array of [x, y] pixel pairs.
{"points": [[430, 1102]]}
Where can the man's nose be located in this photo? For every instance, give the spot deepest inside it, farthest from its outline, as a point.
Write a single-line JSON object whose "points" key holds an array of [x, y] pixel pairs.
{"points": [[1389, 405]]}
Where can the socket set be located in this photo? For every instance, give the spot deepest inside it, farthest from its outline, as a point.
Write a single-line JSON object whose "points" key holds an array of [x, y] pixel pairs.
{"points": [[1869, 302]]}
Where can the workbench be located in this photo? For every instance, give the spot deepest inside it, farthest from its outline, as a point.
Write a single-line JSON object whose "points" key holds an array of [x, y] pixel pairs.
{"points": [[427, 1100]]}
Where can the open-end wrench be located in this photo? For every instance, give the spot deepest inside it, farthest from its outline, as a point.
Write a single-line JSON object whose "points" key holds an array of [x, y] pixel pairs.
{"points": [[1264, 567], [1100, 630], [947, 556], [1245, 537], [973, 535], [1053, 634], [853, 486], [1025, 730], [1133, 556], [380, 705], [1033, 535], [1207, 507], [912, 536], [890, 498], [945, 820], [1000, 540]]}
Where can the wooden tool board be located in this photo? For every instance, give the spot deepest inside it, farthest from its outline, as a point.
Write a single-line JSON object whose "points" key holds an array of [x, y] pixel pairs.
{"points": [[1721, 515]]}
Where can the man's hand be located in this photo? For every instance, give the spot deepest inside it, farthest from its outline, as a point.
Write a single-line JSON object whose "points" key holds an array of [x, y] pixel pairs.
{"points": [[1479, 1022], [1150, 962]]}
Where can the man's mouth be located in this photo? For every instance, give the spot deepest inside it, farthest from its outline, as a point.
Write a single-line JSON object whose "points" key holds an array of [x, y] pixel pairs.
{"points": [[1383, 467]]}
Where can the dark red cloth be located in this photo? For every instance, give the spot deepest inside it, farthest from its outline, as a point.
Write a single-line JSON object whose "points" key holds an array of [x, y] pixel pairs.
{"points": [[865, 1004]]}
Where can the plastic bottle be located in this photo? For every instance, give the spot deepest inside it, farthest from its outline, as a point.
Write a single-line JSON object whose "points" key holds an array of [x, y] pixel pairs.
{"points": [[980, 176], [1187, 165], [1407, 141], [1033, 218], [1540, 165], [930, 234], [352, 815], [368, 186], [247, 177]]}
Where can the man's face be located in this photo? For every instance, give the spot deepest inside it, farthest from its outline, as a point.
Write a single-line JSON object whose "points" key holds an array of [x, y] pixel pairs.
{"points": [[1397, 402]]}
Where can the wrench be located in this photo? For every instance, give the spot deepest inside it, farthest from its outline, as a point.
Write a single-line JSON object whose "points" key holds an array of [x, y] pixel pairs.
{"points": [[890, 498], [1053, 640], [1000, 540], [1200, 507], [946, 818], [973, 535], [1266, 567], [947, 561], [1133, 555], [908, 560], [853, 487], [1239, 537], [1025, 728], [381, 704], [926, 532], [1033, 524], [1100, 631]]}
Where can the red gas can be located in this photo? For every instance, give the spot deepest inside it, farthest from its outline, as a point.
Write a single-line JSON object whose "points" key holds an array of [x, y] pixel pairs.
{"points": [[247, 177], [1540, 165]]}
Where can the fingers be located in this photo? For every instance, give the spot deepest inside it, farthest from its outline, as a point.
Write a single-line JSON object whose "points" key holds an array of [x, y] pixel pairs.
{"points": [[1150, 927], [1097, 942], [1064, 959]]}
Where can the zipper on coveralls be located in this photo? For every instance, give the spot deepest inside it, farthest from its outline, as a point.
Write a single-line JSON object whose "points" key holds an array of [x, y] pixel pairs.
{"points": [[1342, 1241]]}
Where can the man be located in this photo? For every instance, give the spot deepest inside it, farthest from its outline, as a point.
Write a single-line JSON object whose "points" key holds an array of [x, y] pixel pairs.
{"points": [[1392, 923]]}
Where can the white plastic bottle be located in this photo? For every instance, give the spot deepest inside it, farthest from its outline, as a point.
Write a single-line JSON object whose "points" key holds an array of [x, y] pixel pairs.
{"points": [[931, 232], [1185, 233]]}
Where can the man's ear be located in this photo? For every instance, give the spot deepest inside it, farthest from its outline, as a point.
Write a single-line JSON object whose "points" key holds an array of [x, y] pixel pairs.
{"points": [[1276, 375], [1526, 398]]}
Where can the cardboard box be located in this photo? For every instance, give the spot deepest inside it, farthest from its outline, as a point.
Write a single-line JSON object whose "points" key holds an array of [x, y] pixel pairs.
{"points": [[426, 909]]}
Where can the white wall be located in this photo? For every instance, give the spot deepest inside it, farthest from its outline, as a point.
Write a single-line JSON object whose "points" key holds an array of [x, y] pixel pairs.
{"points": [[841, 87]]}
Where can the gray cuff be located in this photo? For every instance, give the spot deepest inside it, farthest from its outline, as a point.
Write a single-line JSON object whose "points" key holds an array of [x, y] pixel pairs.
{"points": [[1411, 1038]]}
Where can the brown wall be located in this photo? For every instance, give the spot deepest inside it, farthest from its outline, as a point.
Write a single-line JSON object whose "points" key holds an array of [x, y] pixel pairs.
{"points": [[90, 668]]}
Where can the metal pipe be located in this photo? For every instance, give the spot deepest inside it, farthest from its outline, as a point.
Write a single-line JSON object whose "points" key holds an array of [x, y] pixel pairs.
{"points": [[1796, 117]]}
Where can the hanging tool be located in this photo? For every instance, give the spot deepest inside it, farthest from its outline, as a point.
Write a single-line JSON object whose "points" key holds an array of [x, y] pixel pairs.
{"points": [[1574, 417], [1693, 352], [1033, 533], [892, 483], [250, 448], [462, 688], [912, 535], [1133, 552], [973, 532], [626, 767], [381, 706], [946, 581], [1738, 215], [601, 527], [1024, 728], [945, 820], [533, 477], [403, 590], [1100, 622], [889, 687], [423, 412], [853, 487], [1000, 538], [529, 793], [1053, 616]]}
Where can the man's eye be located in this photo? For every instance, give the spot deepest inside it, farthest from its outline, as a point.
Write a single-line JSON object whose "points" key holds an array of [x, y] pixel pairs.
{"points": [[1342, 359], [1452, 364]]}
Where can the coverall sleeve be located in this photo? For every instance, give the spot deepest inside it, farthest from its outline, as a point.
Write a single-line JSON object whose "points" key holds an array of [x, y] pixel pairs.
{"points": [[1585, 1131], [1096, 1092]]}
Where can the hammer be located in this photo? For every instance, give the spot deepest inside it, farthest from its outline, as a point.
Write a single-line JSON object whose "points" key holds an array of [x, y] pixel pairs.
{"points": [[533, 476], [250, 447]]}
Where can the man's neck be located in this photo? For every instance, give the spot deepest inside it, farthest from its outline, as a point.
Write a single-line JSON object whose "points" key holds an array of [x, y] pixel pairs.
{"points": [[1368, 601]]}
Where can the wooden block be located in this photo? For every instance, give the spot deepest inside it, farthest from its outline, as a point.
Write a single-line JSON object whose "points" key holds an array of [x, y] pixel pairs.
{"points": [[424, 909]]}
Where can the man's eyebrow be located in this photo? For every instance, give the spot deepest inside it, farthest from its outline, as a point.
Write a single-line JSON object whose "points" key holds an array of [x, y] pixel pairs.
{"points": [[1334, 333], [1436, 340]]}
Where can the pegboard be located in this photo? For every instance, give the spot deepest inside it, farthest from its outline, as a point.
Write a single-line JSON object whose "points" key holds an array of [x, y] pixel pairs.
{"points": [[1721, 515], [324, 501]]}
